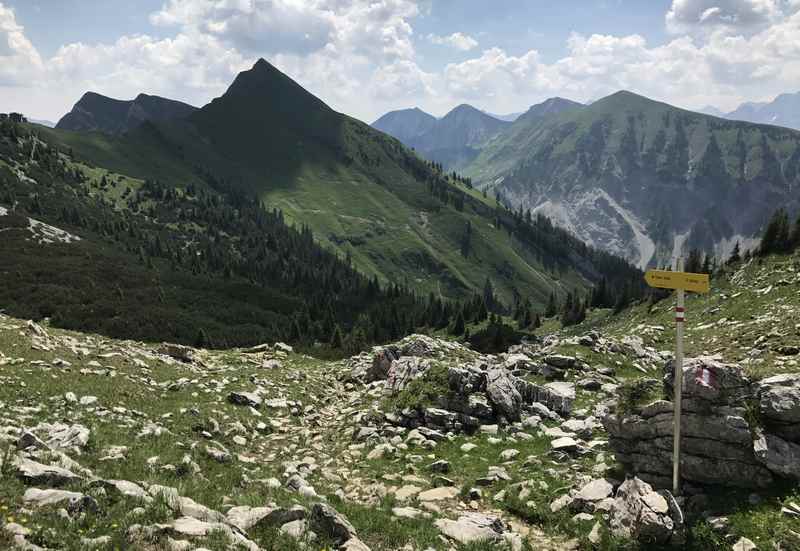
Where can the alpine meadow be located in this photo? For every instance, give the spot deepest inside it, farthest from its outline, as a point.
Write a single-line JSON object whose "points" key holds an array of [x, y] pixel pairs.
{"points": [[548, 299]]}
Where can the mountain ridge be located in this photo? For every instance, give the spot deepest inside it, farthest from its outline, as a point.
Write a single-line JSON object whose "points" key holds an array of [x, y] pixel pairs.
{"points": [[96, 112]]}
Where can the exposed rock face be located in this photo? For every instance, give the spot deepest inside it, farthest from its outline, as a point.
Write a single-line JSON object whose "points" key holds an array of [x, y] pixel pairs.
{"points": [[647, 516], [719, 446], [405, 370], [503, 394]]}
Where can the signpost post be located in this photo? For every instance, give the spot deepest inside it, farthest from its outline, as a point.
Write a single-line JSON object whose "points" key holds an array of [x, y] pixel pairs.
{"points": [[680, 281]]}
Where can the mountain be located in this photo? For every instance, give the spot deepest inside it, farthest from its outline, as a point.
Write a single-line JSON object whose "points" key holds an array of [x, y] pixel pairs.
{"points": [[712, 111], [644, 179], [405, 124], [453, 141], [365, 197], [784, 110], [112, 116], [48, 124], [511, 117]]}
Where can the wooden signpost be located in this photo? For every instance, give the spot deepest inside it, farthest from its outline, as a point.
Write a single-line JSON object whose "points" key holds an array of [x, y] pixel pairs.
{"points": [[680, 281]]}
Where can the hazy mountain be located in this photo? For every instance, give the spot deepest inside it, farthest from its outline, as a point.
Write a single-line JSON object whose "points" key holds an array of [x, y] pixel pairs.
{"points": [[782, 111], [405, 124], [454, 140], [363, 194], [95, 112], [48, 124], [642, 178], [711, 110], [511, 117]]}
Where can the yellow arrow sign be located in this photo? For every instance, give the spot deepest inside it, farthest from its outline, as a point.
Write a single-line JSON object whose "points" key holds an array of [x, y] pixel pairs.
{"points": [[697, 283]]}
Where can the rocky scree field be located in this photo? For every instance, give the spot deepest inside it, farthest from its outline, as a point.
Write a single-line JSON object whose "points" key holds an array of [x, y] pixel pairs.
{"points": [[422, 444]]}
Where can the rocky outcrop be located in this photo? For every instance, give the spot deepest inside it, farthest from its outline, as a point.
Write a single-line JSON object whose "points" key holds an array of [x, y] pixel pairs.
{"points": [[647, 516], [720, 445]]}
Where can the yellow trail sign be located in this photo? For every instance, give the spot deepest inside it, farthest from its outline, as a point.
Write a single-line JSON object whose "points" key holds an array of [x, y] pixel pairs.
{"points": [[697, 283]]}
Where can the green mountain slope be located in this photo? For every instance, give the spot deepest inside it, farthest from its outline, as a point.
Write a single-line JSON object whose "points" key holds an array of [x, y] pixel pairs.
{"points": [[361, 192], [644, 179]]}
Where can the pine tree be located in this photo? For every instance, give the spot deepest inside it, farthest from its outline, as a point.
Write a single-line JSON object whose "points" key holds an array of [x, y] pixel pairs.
{"points": [[776, 238], [458, 325], [796, 233], [551, 309], [488, 295], [336, 338], [736, 255]]}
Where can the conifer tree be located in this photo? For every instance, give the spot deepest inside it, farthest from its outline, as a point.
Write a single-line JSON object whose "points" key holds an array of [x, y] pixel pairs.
{"points": [[735, 254]]}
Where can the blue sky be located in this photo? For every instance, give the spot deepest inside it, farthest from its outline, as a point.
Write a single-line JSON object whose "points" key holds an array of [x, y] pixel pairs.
{"points": [[365, 57]]}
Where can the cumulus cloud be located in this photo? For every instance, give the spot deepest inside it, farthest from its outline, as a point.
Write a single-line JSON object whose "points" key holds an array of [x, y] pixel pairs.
{"points": [[458, 40], [359, 56], [19, 60], [740, 15]]}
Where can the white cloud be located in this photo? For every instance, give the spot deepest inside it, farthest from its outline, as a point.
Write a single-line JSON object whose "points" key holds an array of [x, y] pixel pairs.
{"points": [[458, 40], [19, 60], [740, 15], [359, 56]]}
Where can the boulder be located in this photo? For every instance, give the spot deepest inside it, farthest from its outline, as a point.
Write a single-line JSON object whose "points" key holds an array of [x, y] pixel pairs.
{"points": [[503, 394], [327, 522], [32, 472], [405, 370], [472, 527], [779, 398], [647, 516], [381, 363], [245, 399], [777, 455]]}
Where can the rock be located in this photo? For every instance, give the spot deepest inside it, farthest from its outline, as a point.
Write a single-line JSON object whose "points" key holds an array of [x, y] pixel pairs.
{"points": [[406, 492], [409, 512], [560, 362], [245, 399], [777, 455], [440, 466], [296, 529], [438, 494], [32, 472], [192, 527], [327, 522], [564, 444], [465, 381], [59, 436], [354, 544], [468, 447], [271, 364], [744, 544], [405, 370], [590, 493], [508, 455], [471, 528], [779, 398], [42, 498], [503, 394], [647, 516], [178, 352], [124, 488], [381, 363]]}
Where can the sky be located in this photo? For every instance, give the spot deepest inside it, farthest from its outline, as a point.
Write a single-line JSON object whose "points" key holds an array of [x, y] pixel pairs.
{"points": [[367, 57]]}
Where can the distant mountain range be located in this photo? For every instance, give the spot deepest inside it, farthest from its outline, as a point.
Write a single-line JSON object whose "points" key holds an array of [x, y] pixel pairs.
{"points": [[784, 110], [363, 194], [456, 139], [95, 112]]}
